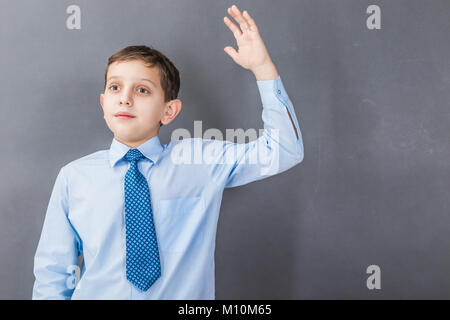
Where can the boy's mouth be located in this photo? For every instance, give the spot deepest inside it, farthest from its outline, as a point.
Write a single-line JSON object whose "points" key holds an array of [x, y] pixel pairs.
{"points": [[124, 115]]}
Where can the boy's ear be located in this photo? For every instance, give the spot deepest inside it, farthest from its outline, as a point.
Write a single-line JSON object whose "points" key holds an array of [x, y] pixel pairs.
{"points": [[101, 103], [172, 109]]}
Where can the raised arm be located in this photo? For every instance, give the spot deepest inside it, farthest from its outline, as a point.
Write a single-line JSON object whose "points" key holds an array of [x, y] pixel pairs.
{"points": [[280, 146], [252, 53]]}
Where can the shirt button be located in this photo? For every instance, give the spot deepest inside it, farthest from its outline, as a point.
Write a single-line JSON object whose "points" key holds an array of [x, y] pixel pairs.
{"points": [[279, 91]]}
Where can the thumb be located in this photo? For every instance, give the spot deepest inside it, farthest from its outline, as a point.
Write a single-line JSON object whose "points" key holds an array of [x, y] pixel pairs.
{"points": [[231, 52]]}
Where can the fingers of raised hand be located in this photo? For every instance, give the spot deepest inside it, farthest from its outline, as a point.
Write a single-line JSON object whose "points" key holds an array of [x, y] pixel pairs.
{"points": [[244, 19]]}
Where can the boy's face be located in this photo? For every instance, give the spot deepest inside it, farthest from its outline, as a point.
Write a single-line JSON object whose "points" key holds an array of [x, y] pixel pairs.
{"points": [[134, 88]]}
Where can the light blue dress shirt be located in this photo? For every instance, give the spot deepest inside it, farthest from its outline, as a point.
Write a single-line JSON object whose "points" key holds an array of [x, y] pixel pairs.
{"points": [[85, 214]]}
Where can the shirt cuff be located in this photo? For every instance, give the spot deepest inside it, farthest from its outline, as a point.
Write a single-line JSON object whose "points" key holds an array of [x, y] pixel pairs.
{"points": [[272, 92]]}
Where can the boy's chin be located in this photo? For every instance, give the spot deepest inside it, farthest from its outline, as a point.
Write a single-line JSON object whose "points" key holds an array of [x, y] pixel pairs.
{"points": [[126, 138]]}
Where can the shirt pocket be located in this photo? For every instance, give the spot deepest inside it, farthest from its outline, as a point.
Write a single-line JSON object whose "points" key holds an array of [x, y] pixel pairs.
{"points": [[180, 223]]}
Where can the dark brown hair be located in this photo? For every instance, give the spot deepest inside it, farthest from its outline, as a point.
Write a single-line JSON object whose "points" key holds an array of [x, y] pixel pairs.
{"points": [[169, 75]]}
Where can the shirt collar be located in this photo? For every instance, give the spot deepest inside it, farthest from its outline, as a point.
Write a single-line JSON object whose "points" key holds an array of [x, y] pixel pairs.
{"points": [[151, 149]]}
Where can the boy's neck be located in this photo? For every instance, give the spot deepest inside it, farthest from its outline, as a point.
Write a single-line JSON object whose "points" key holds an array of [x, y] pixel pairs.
{"points": [[135, 144]]}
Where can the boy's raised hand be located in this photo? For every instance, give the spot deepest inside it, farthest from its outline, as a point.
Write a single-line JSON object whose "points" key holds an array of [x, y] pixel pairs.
{"points": [[252, 53]]}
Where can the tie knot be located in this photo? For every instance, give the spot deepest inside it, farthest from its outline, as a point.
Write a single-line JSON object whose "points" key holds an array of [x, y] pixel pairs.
{"points": [[134, 155]]}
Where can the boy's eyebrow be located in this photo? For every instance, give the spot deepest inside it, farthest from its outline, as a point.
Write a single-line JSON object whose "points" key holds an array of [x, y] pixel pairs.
{"points": [[143, 79]]}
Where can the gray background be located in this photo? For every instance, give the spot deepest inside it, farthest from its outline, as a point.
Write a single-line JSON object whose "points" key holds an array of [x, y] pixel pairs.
{"points": [[373, 107]]}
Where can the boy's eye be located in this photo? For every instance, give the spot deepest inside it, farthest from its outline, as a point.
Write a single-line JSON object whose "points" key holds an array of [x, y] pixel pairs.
{"points": [[112, 87], [145, 90]]}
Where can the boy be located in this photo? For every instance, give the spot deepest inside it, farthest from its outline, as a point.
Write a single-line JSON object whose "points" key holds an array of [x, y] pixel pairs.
{"points": [[146, 224]]}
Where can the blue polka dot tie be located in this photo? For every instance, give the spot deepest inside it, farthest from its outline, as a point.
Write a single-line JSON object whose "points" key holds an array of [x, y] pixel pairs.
{"points": [[143, 264]]}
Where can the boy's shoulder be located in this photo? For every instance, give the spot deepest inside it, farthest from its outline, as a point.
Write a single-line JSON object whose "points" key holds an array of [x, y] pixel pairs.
{"points": [[95, 158], [193, 140]]}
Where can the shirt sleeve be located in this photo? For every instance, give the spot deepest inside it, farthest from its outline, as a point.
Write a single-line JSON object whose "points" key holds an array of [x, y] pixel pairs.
{"points": [[57, 252], [279, 148]]}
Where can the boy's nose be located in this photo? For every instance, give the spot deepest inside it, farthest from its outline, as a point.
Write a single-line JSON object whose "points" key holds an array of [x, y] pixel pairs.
{"points": [[125, 100]]}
